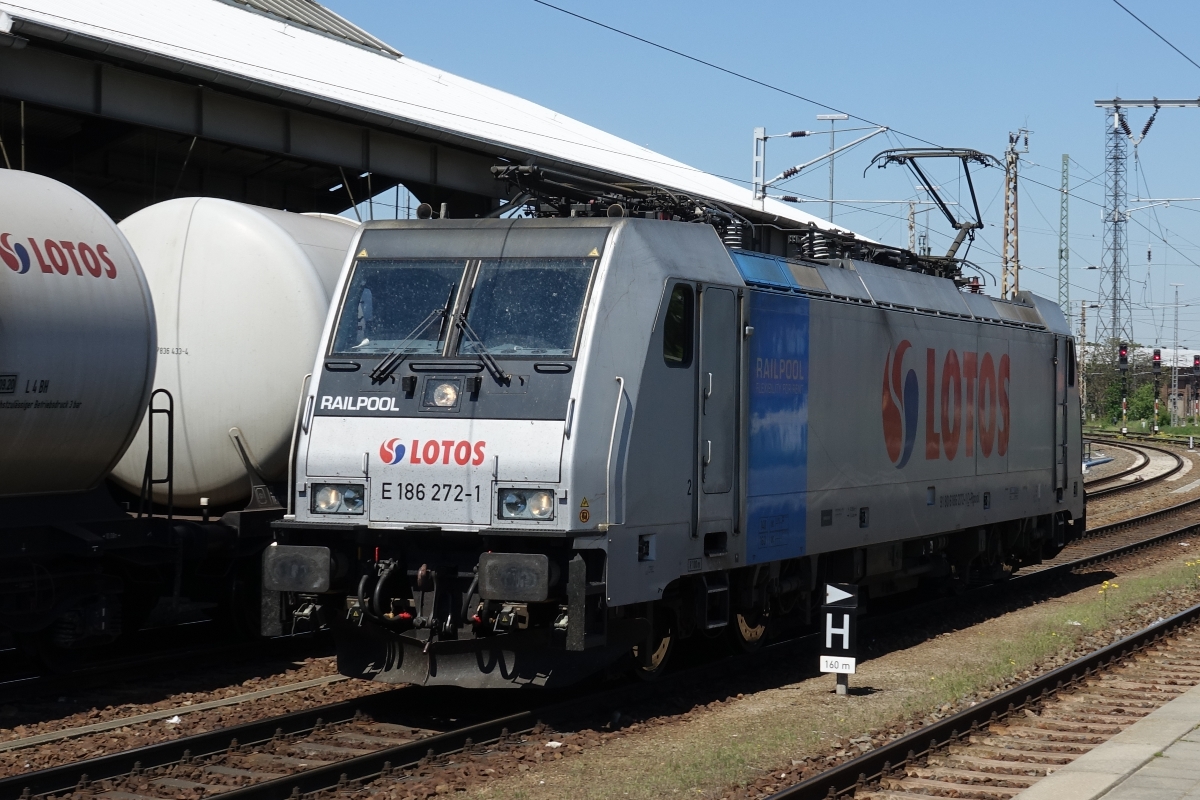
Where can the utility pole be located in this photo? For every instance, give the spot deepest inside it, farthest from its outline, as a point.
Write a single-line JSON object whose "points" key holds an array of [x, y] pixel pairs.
{"points": [[1117, 325], [833, 119], [912, 226], [1114, 283], [1064, 245], [760, 163], [1011, 281], [1175, 363], [1083, 352], [1083, 357]]}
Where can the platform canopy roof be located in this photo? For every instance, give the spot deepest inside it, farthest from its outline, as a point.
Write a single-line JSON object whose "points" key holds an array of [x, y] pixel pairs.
{"points": [[297, 54]]}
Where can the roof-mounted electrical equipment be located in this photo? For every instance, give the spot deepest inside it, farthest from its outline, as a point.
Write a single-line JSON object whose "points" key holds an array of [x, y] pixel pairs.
{"points": [[966, 227]]}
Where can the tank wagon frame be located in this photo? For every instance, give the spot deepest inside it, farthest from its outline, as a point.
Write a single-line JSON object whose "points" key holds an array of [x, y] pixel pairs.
{"points": [[614, 433]]}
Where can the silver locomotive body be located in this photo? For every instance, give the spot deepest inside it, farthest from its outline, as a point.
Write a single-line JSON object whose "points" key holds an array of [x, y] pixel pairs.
{"points": [[530, 446]]}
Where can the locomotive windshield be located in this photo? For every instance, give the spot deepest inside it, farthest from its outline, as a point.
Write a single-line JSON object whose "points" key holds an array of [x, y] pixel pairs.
{"points": [[518, 306], [528, 306], [389, 300]]}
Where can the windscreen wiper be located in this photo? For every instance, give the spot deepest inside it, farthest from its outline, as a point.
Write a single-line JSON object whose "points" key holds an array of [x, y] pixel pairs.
{"points": [[485, 355], [384, 369]]}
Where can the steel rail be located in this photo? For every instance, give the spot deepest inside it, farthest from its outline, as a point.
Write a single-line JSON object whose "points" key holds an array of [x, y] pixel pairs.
{"points": [[882, 761], [382, 763], [68, 777], [1123, 473], [1143, 482], [1140, 519], [1169, 438], [18, 685]]}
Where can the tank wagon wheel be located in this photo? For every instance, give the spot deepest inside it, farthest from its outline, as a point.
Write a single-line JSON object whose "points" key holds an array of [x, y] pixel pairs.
{"points": [[749, 629], [664, 640]]}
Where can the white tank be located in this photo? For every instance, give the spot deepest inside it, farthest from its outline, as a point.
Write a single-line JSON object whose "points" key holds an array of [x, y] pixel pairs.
{"points": [[241, 294], [76, 339]]}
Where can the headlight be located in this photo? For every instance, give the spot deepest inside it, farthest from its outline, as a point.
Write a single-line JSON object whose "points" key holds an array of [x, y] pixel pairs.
{"points": [[442, 393], [526, 504], [445, 395], [337, 498]]}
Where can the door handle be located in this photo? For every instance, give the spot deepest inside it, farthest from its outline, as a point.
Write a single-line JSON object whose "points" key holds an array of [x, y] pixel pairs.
{"points": [[608, 463], [707, 452], [708, 389]]}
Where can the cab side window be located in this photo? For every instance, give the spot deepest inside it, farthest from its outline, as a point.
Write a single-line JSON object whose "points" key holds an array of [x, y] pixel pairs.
{"points": [[678, 326]]}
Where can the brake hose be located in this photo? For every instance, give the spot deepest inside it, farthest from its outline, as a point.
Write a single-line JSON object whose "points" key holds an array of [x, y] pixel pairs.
{"points": [[362, 598], [467, 597], [380, 585]]}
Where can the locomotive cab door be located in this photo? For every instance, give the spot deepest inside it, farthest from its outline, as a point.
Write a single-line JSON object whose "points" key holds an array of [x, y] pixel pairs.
{"points": [[717, 429]]}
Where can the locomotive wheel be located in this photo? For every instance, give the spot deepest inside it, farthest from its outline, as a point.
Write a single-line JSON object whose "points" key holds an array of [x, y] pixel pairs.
{"points": [[748, 630], [663, 645]]}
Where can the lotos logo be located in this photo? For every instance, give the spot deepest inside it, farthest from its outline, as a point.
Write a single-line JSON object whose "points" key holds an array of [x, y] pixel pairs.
{"points": [[391, 451], [972, 406], [433, 451], [15, 255], [901, 402], [60, 256]]}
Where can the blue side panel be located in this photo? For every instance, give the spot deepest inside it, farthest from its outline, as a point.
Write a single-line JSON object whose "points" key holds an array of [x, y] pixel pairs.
{"points": [[759, 268], [777, 482]]}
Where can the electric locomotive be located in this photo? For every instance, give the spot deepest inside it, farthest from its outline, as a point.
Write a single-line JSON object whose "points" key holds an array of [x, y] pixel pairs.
{"points": [[532, 448]]}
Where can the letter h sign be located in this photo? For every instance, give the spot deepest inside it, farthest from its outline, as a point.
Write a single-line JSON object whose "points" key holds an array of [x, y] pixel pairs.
{"points": [[841, 617]]}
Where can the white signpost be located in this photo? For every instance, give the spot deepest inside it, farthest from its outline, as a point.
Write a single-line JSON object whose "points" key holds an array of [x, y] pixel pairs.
{"points": [[839, 650]]}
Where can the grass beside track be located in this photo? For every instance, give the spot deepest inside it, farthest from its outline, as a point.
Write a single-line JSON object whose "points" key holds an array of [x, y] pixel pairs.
{"points": [[708, 751]]}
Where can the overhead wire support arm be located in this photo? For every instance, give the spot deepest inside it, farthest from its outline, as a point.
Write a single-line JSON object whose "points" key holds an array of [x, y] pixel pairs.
{"points": [[792, 172]]}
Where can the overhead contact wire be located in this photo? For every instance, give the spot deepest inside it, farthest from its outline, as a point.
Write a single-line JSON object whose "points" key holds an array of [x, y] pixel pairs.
{"points": [[728, 71]]}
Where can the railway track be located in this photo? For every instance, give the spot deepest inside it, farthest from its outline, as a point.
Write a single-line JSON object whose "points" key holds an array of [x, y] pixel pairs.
{"points": [[152, 660], [1001, 746], [359, 741], [1138, 465], [1136, 482]]}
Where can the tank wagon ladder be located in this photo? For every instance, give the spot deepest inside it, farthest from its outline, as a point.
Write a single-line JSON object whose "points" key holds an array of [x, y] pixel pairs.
{"points": [[146, 499]]}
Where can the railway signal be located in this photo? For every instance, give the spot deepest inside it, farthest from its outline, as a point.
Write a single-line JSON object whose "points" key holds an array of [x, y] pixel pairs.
{"points": [[1196, 365], [1156, 368], [1123, 357], [839, 650]]}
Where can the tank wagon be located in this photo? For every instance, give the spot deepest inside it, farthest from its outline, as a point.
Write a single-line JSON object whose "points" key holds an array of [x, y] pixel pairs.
{"points": [[241, 293], [534, 447], [77, 359], [90, 538]]}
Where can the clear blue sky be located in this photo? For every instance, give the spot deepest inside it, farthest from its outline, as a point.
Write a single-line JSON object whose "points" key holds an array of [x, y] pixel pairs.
{"points": [[954, 73]]}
